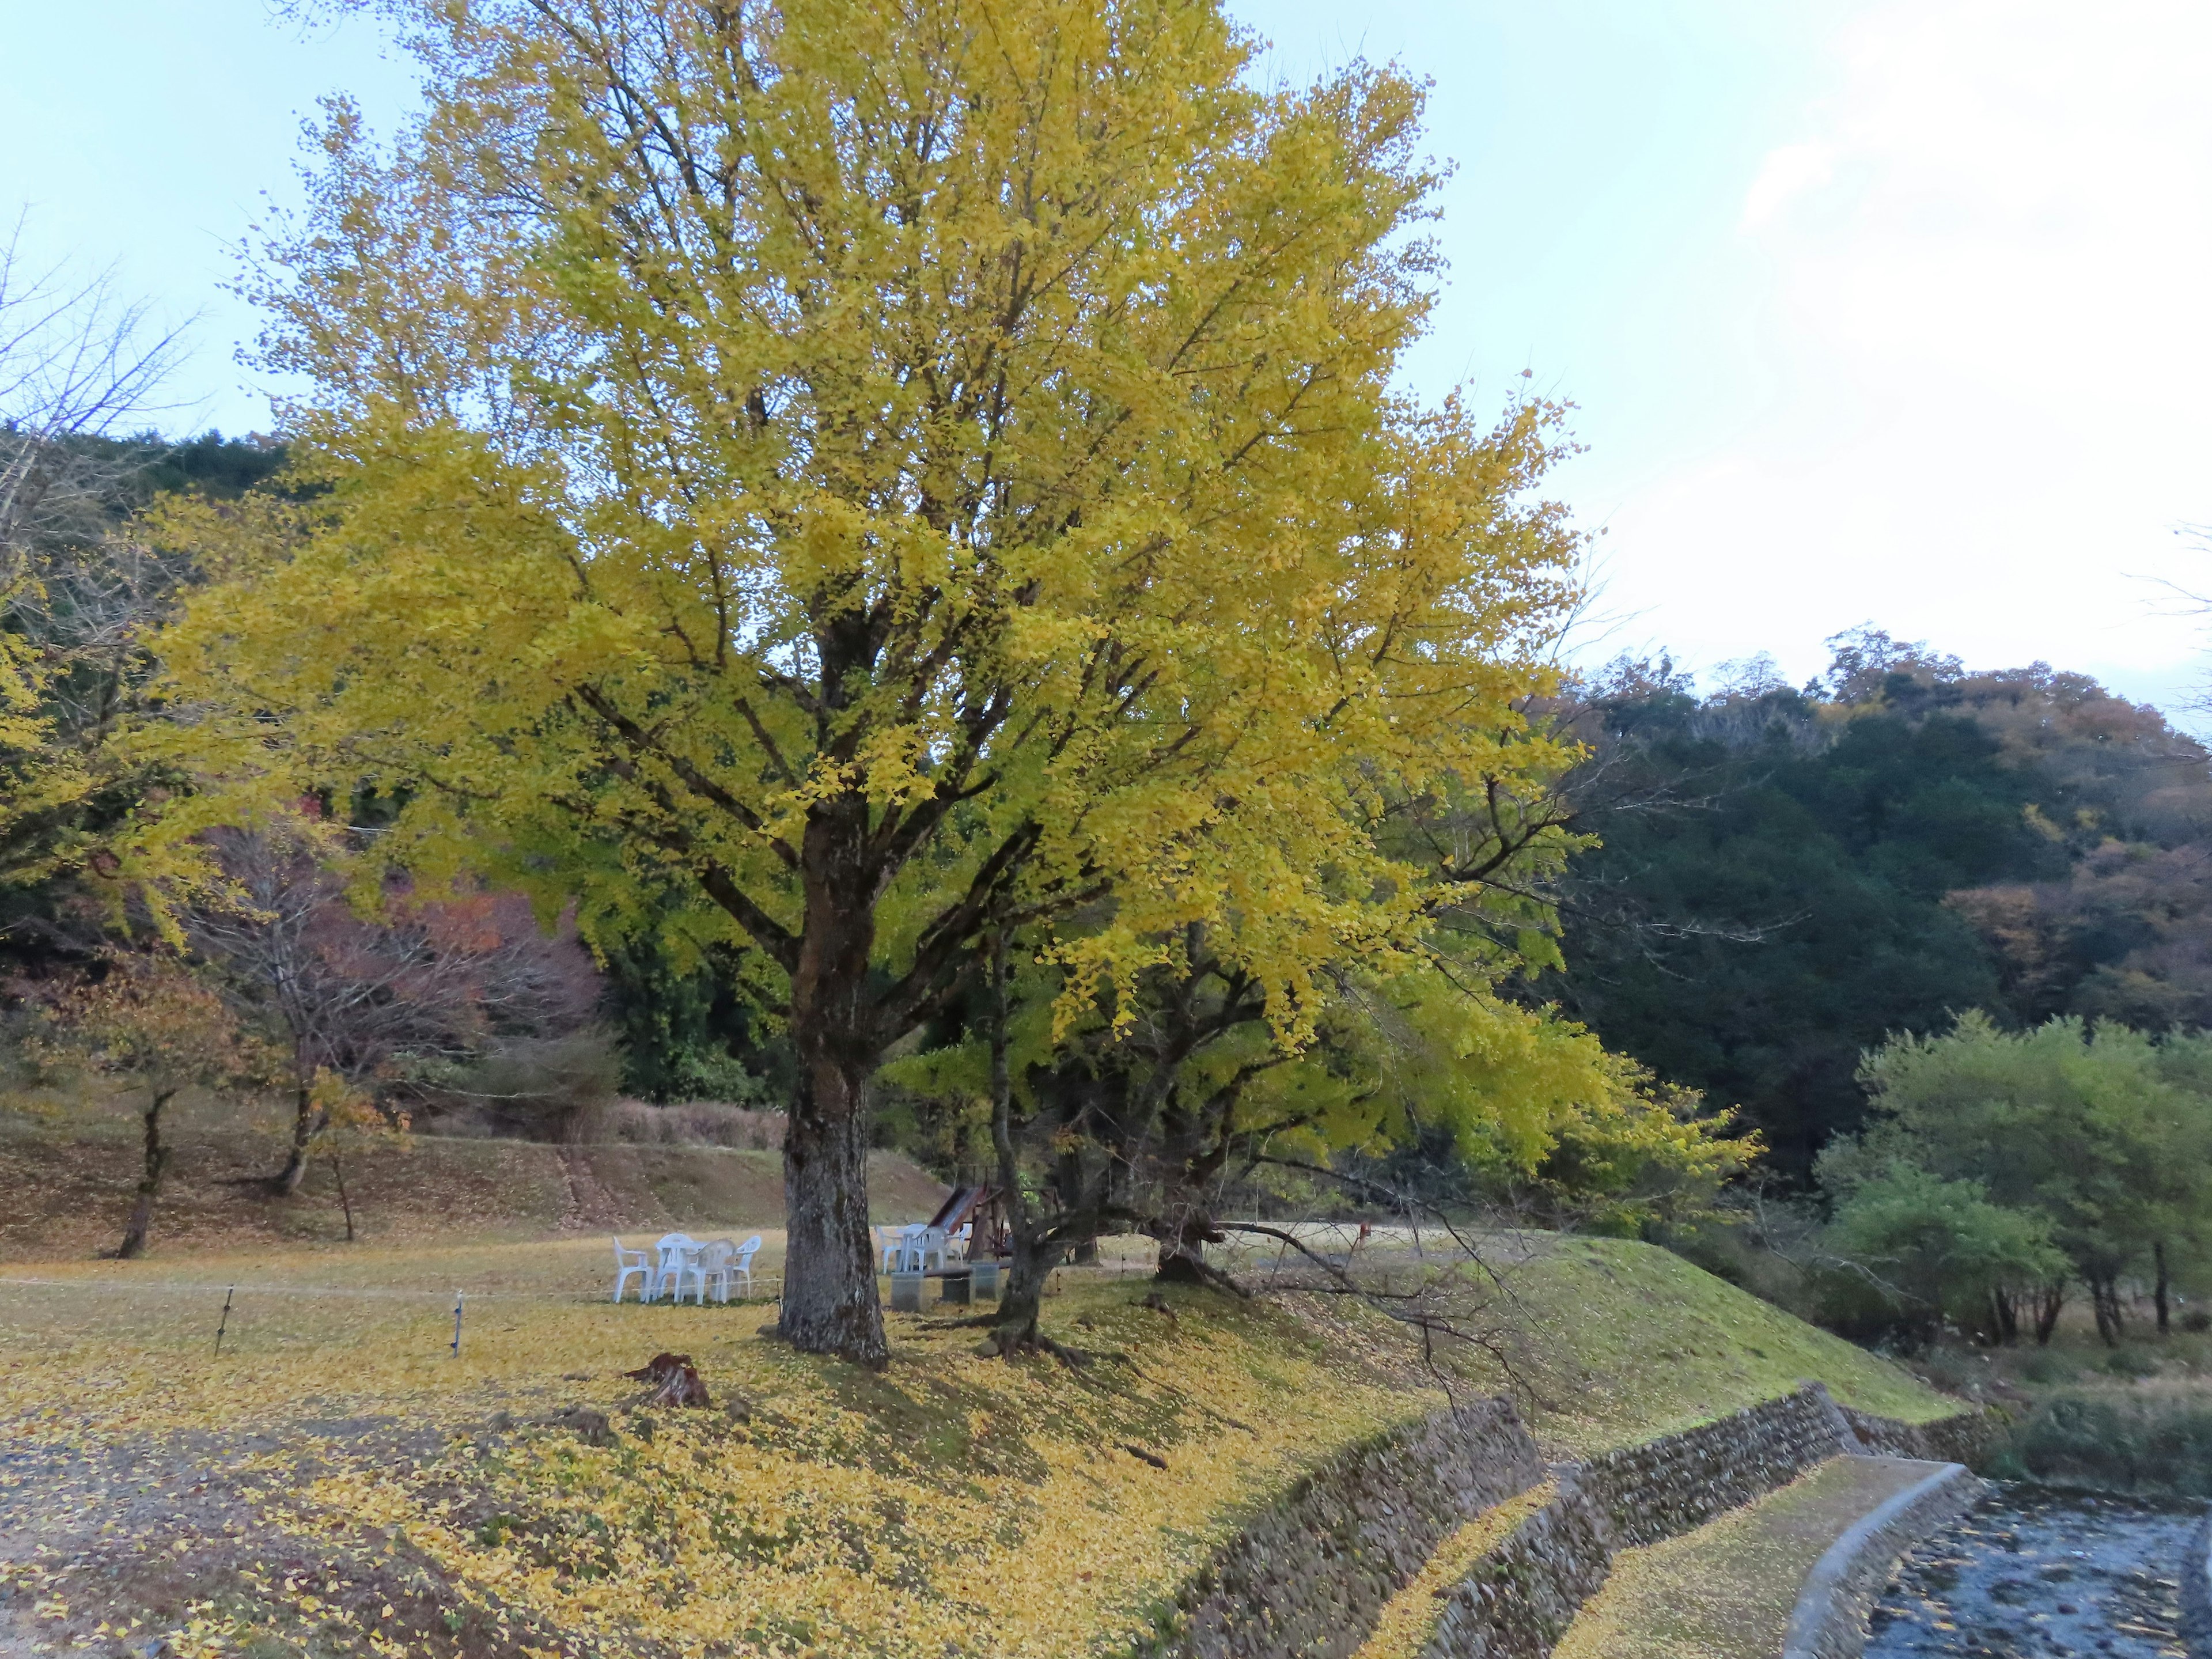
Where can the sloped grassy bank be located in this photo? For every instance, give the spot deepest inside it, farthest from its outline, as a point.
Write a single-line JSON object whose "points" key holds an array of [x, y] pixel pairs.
{"points": [[345, 1485], [1623, 1342]]}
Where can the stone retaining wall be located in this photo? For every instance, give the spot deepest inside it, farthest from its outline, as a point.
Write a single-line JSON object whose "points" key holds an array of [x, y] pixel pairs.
{"points": [[1522, 1596], [1959, 1439], [1678, 1481], [1308, 1577], [2196, 1592], [1519, 1599], [1310, 1574]]}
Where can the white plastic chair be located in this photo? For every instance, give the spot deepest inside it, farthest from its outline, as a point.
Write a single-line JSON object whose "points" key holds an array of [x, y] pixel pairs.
{"points": [[741, 1265], [627, 1262], [708, 1265], [667, 1275], [920, 1247]]}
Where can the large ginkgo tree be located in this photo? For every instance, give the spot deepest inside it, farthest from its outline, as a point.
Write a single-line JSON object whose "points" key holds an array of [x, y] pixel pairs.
{"points": [[901, 469]]}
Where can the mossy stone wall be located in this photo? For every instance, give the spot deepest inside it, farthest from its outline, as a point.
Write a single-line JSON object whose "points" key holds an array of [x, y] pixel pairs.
{"points": [[1308, 1576]]}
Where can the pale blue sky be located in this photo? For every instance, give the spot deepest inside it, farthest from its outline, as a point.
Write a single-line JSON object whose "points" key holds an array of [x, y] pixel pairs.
{"points": [[1886, 310]]}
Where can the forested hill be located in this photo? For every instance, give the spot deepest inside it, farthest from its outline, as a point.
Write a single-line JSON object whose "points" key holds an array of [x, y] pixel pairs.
{"points": [[1788, 876]]}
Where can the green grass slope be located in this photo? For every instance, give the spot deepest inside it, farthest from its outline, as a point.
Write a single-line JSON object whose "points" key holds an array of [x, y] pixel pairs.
{"points": [[1619, 1342]]}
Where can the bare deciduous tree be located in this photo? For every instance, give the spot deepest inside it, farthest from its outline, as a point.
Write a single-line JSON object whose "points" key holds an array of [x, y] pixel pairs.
{"points": [[361, 996], [77, 360]]}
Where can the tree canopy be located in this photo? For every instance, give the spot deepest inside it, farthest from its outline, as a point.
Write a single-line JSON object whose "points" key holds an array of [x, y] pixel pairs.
{"points": [[2099, 1141], [889, 473]]}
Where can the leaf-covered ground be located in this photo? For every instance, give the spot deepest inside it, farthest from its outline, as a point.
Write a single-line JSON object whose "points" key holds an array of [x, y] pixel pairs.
{"points": [[339, 1482]]}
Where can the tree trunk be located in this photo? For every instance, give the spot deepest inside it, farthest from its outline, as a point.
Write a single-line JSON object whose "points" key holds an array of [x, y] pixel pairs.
{"points": [[2158, 1290], [2007, 1309], [1183, 1248], [303, 1137], [1036, 1241], [830, 1303], [2046, 1313], [2105, 1302], [337, 1174], [1034, 1259], [149, 1183], [829, 1298]]}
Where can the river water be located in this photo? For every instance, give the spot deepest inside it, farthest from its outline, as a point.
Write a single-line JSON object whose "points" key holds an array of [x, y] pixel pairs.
{"points": [[2031, 1571]]}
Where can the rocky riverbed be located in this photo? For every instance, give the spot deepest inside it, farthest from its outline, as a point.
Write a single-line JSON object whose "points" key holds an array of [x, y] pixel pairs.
{"points": [[2033, 1571]]}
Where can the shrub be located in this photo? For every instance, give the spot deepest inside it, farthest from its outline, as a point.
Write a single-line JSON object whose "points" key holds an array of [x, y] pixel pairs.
{"points": [[2131, 1362], [558, 1088], [695, 1123], [1931, 1248], [2151, 1446]]}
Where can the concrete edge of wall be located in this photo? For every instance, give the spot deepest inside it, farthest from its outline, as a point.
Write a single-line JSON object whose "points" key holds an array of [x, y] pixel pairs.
{"points": [[1830, 1618]]}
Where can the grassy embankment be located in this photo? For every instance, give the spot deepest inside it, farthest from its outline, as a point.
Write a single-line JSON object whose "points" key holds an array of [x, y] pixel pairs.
{"points": [[339, 1482], [67, 1185]]}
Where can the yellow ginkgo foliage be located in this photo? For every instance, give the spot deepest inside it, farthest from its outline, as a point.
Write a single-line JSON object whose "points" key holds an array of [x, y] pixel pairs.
{"points": [[886, 470]]}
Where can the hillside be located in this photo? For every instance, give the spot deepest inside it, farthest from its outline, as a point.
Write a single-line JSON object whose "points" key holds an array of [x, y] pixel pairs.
{"points": [[953, 1504], [1786, 878], [69, 1187]]}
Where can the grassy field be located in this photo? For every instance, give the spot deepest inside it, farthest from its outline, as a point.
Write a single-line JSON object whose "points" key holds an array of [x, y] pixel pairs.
{"points": [[952, 1504], [338, 1481], [1623, 1341]]}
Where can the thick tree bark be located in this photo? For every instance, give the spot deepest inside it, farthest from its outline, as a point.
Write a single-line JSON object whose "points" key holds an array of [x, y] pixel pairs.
{"points": [[337, 1174], [149, 1183], [830, 1299], [2159, 1290], [1182, 1249], [1022, 1300], [2046, 1313], [303, 1138], [2006, 1310]]}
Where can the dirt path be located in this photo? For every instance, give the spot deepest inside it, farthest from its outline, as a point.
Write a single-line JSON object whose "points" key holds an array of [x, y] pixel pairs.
{"points": [[1725, 1591]]}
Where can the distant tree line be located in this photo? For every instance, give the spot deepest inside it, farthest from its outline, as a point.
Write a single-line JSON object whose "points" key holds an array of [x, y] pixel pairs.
{"points": [[2000, 1170], [1786, 878]]}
